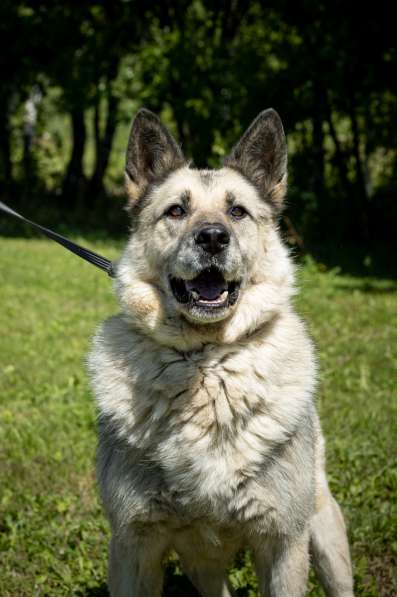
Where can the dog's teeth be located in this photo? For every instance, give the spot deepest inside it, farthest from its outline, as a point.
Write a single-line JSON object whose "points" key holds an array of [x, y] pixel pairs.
{"points": [[220, 299], [195, 294]]}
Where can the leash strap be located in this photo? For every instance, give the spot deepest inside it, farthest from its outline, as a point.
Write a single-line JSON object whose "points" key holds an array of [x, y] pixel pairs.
{"points": [[82, 252]]}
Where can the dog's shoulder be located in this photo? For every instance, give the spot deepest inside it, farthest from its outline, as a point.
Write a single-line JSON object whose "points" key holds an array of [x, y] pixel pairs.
{"points": [[129, 372], [114, 350], [113, 340]]}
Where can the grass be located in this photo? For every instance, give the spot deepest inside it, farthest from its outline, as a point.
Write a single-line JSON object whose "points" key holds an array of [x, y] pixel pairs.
{"points": [[53, 536]]}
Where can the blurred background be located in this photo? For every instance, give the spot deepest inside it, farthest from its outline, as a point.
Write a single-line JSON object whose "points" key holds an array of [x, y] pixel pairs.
{"points": [[73, 75]]}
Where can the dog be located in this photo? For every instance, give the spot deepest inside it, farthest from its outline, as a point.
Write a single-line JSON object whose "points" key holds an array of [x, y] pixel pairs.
{"points": [[209, 441]]}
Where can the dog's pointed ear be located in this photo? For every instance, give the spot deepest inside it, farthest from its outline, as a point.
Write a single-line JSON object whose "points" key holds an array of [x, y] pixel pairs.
{"points": [[261, 156], [152, 153]]}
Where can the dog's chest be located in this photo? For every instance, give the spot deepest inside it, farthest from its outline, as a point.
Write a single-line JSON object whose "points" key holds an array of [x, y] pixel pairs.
{"points": [[200, 436], [208, 425]]}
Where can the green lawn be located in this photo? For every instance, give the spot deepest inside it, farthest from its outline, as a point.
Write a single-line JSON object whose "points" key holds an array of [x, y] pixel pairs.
{"points": [[53, 537]]}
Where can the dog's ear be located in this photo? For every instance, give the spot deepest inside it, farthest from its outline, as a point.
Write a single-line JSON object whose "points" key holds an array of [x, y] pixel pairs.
{"points": [[261, 156], [152, 153]]}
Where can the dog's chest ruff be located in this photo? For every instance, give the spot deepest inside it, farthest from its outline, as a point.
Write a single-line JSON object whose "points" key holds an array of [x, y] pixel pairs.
{"points": [[206, 423]]}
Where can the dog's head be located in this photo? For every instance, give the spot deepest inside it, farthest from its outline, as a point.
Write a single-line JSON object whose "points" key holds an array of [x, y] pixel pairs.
{"points": [[201, 239]]}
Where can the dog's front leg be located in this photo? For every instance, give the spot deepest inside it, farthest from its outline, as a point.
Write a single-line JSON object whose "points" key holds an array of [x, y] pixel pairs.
{"points": [[135, 565], [283, 566]]}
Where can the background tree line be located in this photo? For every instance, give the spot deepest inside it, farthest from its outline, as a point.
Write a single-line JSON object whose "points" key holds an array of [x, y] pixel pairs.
{"points": [[73, 75]]}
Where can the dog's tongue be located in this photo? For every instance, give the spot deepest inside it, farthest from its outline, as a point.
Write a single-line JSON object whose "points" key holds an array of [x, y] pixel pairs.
{"points": [[209, 284]]}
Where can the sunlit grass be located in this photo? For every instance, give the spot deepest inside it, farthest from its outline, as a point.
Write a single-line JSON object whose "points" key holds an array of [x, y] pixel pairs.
{"points": [[53, 536]]}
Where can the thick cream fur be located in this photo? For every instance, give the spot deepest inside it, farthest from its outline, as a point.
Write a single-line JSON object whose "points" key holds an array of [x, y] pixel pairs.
{"points": [[209, 440]]}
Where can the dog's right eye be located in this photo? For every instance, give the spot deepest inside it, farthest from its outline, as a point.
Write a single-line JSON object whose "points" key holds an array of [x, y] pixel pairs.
{"points": [[175, 211]]}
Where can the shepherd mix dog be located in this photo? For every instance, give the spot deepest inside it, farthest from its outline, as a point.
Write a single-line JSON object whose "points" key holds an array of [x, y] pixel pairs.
{"points": [[209, 441]]}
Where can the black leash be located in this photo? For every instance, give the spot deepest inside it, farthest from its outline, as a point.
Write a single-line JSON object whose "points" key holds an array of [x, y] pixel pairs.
{"points": [[86, 254]]}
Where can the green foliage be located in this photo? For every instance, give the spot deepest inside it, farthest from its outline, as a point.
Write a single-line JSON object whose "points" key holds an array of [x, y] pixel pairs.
{"points": [[208, 68], [53, 536]]}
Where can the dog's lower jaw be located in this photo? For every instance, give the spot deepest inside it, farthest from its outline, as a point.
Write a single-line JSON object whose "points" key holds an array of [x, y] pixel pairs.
{"points": [[199, 316]]}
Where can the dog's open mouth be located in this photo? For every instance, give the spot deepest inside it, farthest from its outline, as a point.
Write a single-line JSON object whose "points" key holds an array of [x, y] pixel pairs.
{"points": [[209, 290]]}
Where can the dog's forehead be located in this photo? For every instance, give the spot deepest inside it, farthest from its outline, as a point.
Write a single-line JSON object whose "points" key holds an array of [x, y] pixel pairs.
{"points": [[207, 189]]}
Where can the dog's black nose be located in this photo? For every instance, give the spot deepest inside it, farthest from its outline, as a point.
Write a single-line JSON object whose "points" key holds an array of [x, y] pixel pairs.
{"points": [[213, 238]]}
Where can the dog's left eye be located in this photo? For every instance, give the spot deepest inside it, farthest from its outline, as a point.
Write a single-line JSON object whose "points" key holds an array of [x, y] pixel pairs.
{"points": [[175, 211], [238, 212]]}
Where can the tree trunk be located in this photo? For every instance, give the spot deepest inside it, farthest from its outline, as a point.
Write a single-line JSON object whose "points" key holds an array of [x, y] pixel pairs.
{"points": [[318, 157], [361, 187], [5, 150], [74, 182], [103, 143], [340, 157], [29, 134]]}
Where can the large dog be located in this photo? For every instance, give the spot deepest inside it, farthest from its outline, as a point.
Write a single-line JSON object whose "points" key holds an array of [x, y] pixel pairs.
{"points": [[209, 441]]}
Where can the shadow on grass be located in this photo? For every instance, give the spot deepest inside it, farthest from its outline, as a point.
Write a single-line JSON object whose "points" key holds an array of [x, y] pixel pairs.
{"points": [[175, 585], [101, 591], [106, 219], [359, 261]]}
